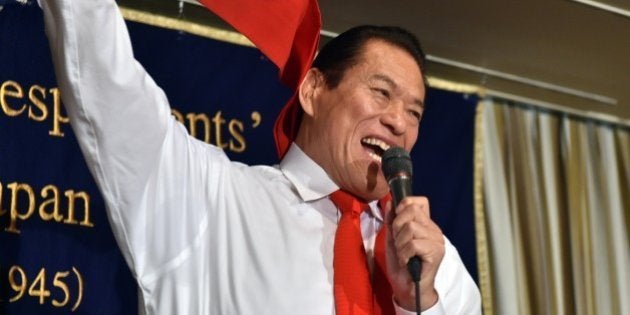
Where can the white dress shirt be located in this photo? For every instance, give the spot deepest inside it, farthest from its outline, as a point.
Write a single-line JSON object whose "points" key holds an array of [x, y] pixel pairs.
{"points": [[202, 234]]}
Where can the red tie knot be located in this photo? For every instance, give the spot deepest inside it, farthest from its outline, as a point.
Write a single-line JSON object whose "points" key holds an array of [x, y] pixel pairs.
{"points": [[347, 203]]}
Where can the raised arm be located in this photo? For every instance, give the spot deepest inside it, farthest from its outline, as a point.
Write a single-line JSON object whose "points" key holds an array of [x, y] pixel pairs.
{"points": [[145, 164], [118, 113]]}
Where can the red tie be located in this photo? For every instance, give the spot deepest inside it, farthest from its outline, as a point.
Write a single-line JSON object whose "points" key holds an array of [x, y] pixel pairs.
{"points": [[353, 288], [382, 289], [352, 285]]}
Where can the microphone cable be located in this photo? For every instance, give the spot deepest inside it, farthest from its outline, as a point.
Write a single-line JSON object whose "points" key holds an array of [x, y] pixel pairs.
{"points": [[415, 268]]}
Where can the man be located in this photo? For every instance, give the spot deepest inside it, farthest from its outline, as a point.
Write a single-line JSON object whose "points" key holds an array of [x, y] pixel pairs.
{"points": [[203, 235]]}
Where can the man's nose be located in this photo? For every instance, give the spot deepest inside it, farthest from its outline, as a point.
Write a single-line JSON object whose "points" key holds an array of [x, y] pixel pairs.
{"points": [[394, 118]]}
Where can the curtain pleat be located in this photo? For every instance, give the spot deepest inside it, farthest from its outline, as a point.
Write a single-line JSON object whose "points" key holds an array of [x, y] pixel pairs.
{"points": [[498, 215], [555, 203]]}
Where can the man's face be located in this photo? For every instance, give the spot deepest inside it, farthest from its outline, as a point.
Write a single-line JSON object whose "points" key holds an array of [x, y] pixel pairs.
{"points": [[377, 104]]}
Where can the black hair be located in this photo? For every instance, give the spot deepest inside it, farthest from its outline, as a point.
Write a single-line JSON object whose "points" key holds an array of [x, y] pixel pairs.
{"points": [[344, 51]]}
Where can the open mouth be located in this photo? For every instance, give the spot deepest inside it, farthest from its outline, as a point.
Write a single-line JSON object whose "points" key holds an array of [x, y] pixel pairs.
{"points": [[375, 147]]}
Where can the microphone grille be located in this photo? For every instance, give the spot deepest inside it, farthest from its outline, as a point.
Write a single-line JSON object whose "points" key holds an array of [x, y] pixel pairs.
{"points": [[396, 160]]}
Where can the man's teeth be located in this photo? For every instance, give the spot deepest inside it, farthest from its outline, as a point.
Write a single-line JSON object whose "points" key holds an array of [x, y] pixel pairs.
{"points": [[379, 147], [376, 142], [375, 156]]}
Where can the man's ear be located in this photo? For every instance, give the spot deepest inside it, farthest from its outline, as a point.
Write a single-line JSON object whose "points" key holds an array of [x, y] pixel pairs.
{"points": [[313, 81]]}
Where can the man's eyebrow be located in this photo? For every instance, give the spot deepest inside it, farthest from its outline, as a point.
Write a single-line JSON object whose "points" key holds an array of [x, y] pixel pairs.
{"points": [[386, 79], [393, 85]]}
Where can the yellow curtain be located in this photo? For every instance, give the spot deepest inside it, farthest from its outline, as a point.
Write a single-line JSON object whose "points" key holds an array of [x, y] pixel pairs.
{"points": [[554, 202]]}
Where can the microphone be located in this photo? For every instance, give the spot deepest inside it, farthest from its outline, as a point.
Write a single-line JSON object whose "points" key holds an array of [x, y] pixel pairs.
{"points": [[397, 168]]}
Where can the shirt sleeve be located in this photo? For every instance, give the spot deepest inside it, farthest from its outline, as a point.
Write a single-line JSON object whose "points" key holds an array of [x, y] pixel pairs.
{"points": [[436, 309], [148, 169]]}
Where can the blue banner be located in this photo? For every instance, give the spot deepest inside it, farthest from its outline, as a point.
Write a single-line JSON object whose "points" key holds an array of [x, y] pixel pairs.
{"points": [[57, 251]]}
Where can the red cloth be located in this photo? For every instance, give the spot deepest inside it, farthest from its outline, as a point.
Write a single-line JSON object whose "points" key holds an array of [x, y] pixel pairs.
{"points": [[287, 32], [383, 292], [356, 291], [352, 284]]}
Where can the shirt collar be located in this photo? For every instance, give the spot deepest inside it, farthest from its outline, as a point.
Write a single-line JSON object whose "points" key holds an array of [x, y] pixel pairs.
{"points": [[310, 180]]}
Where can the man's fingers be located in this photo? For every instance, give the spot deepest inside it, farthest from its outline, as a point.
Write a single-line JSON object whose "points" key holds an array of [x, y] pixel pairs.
{"points": [[429, 251], [412, 209], [414, 230], [414, 233], [414, 201], [408, 233]]}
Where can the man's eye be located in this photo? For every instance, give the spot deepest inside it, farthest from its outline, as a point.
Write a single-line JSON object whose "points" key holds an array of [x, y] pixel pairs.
{"points": [[415, 114], [381, 92]]}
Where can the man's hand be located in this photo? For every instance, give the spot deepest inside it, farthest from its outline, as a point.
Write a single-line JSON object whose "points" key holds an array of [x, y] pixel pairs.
{"points": [[411, 232]]}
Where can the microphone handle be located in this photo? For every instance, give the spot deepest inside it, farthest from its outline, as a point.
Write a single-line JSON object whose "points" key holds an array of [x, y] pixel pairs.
{"points": [[400, 187]]}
